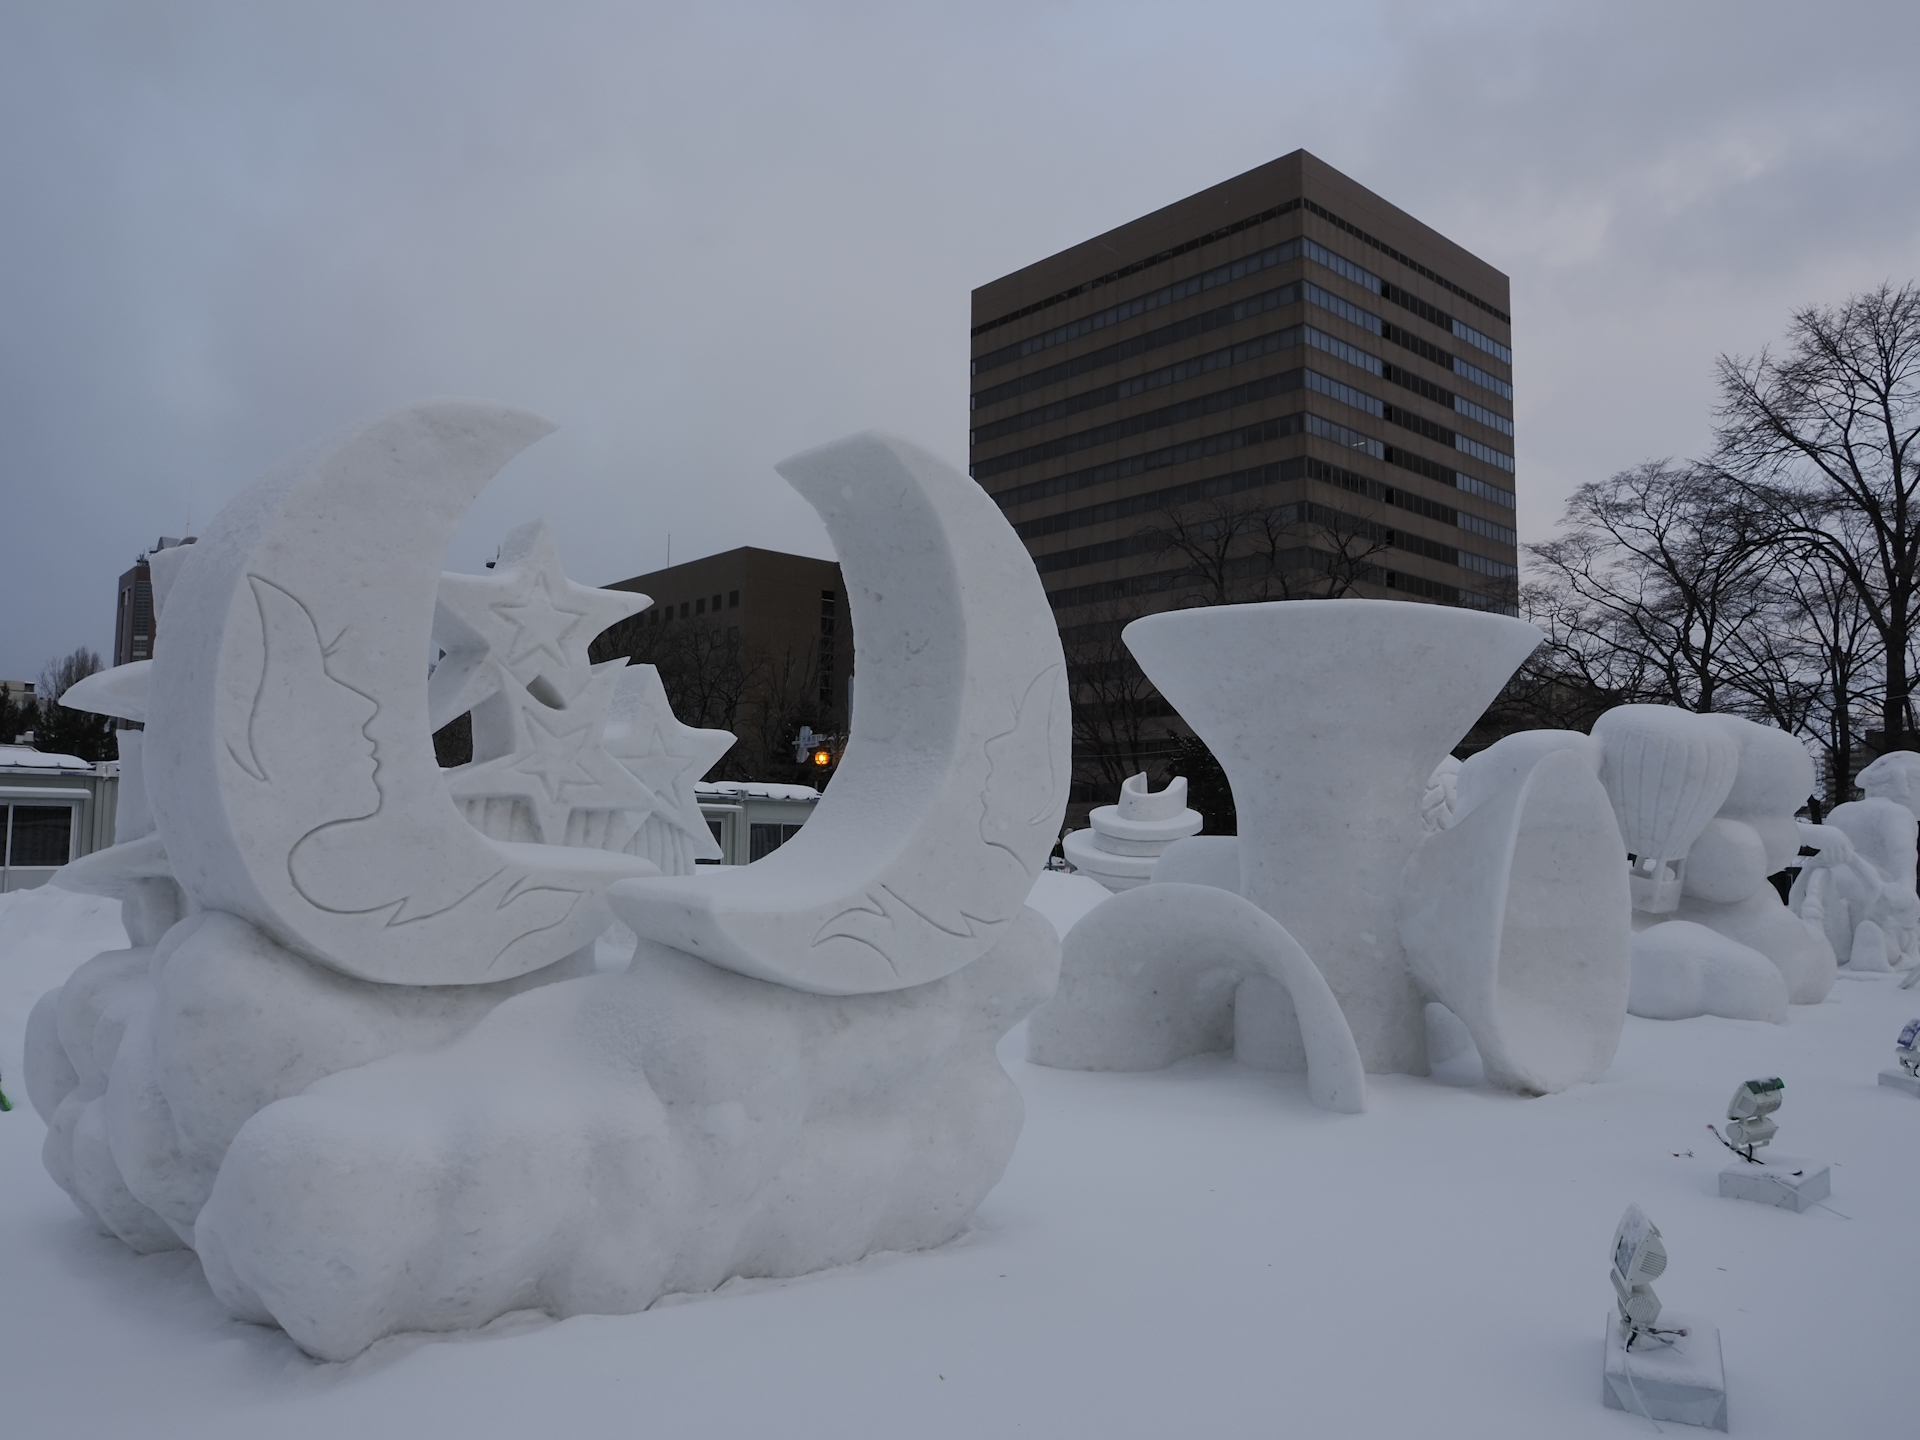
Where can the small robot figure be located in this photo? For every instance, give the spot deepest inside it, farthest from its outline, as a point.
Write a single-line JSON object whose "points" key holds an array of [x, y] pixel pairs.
{"points": [[1907, 1048], [1639, 1256], [1749, 1116]]}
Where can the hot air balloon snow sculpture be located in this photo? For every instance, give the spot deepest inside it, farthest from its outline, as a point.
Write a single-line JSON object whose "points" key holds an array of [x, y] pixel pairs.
{"points": [[1709, 801], [359, 1058], [1666, 773]]}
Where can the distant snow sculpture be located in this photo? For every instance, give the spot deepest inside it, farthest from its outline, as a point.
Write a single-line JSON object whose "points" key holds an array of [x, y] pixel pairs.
{"points": [[1858, 889], [356, 1057], [1330, 718], [1123, 842], [1712, 936]]}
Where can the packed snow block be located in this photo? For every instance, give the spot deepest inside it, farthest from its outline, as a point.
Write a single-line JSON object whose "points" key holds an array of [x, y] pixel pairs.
{"points": [[1900, 1080], [1782, 1180], [1149, 977], [1685, 1381], [593, 1145], [1682, 969]]}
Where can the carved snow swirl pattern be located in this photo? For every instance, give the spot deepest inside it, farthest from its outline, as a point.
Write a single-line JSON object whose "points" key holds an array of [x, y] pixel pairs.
{"points": [[1014, 818]]}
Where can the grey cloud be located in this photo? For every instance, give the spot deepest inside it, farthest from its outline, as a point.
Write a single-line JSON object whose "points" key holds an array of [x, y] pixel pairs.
{"points": [[703, 237]]}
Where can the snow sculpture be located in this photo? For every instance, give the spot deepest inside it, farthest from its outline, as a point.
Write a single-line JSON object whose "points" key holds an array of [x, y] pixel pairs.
{"points": [[551, 729], [1526, 877], [367, 1078], [289, 733], [1120, 965], [1894, 776], [1682, 969], [949, 794], [1858, 890], [1706, 807], [1125, 841], [1666, 772], [1329, 717]]}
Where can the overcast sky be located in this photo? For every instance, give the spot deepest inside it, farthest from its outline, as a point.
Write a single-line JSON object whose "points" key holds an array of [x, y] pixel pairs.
{"points": [[700, 237]]}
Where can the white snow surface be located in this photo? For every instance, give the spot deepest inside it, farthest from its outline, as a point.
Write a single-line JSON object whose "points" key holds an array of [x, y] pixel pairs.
{"points": [[1189, 1251], [22, 757]]}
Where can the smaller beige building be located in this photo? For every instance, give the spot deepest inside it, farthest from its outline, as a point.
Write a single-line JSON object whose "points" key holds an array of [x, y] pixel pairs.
{"points": [[53, 808]]}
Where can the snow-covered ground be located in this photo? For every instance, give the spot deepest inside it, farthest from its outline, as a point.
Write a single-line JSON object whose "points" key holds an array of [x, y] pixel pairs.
{"points": [[1192, 1252]]}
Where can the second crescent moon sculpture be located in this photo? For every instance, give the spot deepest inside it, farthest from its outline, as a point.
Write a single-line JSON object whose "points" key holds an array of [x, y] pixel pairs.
{"points": [[288, 755], [954, 780]]}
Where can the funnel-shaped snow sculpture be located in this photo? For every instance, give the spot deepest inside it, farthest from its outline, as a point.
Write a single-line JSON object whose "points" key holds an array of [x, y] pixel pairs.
{"points": [[1328, 717], [1122, 843], [1666, 771], [1517, 920], [370, 1078]]}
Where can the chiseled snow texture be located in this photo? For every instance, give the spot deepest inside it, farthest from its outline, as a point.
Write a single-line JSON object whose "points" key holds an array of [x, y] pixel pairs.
{"points": [[592, 1145], [1682, 969], [1187, 1251]]}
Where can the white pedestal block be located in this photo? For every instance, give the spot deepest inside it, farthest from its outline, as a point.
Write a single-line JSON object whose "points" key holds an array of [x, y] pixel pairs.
{"points": [[1900, 1080], [1685, 1381], [1783, 1180]]}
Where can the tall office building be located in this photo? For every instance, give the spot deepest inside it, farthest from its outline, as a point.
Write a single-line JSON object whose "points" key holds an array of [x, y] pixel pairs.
{"points": [[1280, 387]]}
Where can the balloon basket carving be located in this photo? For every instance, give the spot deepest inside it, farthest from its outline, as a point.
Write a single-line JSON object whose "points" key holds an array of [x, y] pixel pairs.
{"points": [[360, 1056]]}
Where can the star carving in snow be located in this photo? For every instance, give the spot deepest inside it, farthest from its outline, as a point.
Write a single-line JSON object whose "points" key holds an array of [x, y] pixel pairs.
{"points": [[525, 625], [559, 764], [645, 736]]}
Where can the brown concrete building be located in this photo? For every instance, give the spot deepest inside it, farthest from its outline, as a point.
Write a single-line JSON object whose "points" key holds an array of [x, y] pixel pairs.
{"points": [[1280, 387], [754, 641]]}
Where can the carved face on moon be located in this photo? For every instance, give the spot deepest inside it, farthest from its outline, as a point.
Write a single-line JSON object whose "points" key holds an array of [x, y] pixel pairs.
{"points": [[294, 783], [289, 758]]}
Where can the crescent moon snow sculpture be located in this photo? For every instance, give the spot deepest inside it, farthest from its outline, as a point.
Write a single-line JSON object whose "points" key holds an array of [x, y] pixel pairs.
{"points": [[288, 760], [954, 780]]}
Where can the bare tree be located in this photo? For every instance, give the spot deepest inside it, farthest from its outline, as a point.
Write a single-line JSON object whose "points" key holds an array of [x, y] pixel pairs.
{"points": [[1824, 434], [1239, 551], [1213, 537], [1656, 574], [1347, 549], [1841, 647], [1119, 719], [59, 730]]}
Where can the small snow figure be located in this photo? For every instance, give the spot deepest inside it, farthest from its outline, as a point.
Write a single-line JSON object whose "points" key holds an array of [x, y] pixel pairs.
{"points": [[1749, 1117], [1907, 1048], [1639, 1257]]}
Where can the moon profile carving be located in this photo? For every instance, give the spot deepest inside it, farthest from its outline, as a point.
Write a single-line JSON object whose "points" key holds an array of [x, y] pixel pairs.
{"points": [[289, 732]]}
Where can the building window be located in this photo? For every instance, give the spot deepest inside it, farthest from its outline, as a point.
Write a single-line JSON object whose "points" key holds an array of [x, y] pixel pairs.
{"points": [[829, 606], [716, 602], [700, 606], [683, 609], [733, 600], [763, 840], [36, 834]]}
